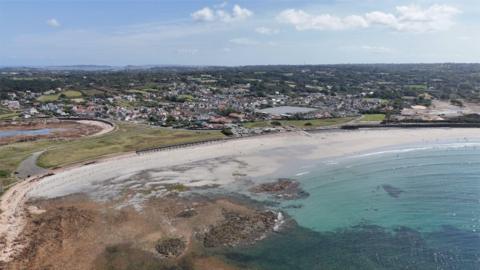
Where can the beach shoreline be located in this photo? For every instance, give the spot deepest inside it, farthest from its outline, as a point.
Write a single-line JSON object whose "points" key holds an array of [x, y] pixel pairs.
{"points": [[222, 163]]}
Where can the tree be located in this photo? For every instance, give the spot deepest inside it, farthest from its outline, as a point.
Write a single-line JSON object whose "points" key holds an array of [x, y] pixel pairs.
{"points": [[227, 131]]}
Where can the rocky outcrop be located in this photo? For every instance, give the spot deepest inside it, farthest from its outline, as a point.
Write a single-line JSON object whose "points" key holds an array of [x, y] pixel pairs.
{"points": [[239, 229], [187, 213], [170, 247], [392, 191], [283, 188]]}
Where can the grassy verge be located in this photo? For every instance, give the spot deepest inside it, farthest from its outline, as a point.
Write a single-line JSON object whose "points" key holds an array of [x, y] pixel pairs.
{"points": [[127, 137], [313, 123], [373, 117], [12, 154]]}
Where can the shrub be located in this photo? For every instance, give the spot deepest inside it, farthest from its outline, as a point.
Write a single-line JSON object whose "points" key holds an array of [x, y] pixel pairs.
{"points": [[227, 132], [3, 174]]}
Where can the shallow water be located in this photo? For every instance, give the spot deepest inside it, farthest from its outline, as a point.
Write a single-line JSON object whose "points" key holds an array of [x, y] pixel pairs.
{"points": [[30, 132], [416, 208]]}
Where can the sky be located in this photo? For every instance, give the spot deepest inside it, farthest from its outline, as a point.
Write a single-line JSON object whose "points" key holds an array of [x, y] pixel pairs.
{"points": [[241, 32]]}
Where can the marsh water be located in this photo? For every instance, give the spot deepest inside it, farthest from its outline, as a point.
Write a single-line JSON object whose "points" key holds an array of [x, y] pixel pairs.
{"points": [[29, 132], [409, 208]]}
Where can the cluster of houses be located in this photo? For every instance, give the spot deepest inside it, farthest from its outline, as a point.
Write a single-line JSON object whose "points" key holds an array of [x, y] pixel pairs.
{"points": [[190, 105]]}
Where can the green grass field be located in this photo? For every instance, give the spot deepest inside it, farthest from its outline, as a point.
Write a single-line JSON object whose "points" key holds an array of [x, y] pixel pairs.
{"points": [[71, 94], [313, 123], [373, 117], [7, 114], [127, 137]]}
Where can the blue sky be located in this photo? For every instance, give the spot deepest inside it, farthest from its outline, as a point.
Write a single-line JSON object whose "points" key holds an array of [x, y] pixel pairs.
{"points": [[239, 32]]}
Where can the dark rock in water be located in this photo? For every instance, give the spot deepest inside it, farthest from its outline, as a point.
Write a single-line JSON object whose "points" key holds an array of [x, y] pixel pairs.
{"points": [[187, 213], [392, 191], [171, 247], [293, 206], [239, 229], [283, 188]]}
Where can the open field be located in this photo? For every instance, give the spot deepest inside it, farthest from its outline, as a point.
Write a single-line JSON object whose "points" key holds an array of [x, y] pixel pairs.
{"points": [[373, 117], [71, 94], [301, 123], [7, 114], [418, 86], [126, 138]]}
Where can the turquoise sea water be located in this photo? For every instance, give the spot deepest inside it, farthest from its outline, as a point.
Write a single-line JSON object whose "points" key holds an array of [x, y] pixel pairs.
{"points": [[409, 208]]}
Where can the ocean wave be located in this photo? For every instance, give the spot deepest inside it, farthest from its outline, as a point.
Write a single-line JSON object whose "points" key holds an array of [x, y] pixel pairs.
{"points": [[445, 146]]}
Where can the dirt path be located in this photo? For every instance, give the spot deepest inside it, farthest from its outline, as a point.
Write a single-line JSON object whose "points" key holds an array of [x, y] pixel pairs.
{"points": [[29, 167]]}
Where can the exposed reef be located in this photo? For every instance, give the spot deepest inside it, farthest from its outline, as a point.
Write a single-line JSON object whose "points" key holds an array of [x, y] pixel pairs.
{"points": [[283, 188]]}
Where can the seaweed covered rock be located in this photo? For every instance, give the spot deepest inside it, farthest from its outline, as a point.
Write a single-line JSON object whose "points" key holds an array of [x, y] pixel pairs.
{"points": [[187, 213], [237, 229], [283, 188], [170, 247]]}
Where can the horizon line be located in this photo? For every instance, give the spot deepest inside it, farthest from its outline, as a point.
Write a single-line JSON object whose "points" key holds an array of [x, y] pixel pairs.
{"points": [[245, 65]]}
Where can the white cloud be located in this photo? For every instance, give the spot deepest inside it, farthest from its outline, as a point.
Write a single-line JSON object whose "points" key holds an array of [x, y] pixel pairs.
{"points": [[305, 21], [266, 31], [205, 14], [218, 13], [241, 13], [410, 18], [53, 22], [378, 17]]}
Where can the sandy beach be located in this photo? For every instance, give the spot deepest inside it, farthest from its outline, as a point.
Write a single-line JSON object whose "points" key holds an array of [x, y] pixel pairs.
{"points": [[224, 164], [219, 162], [104, 127]]}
